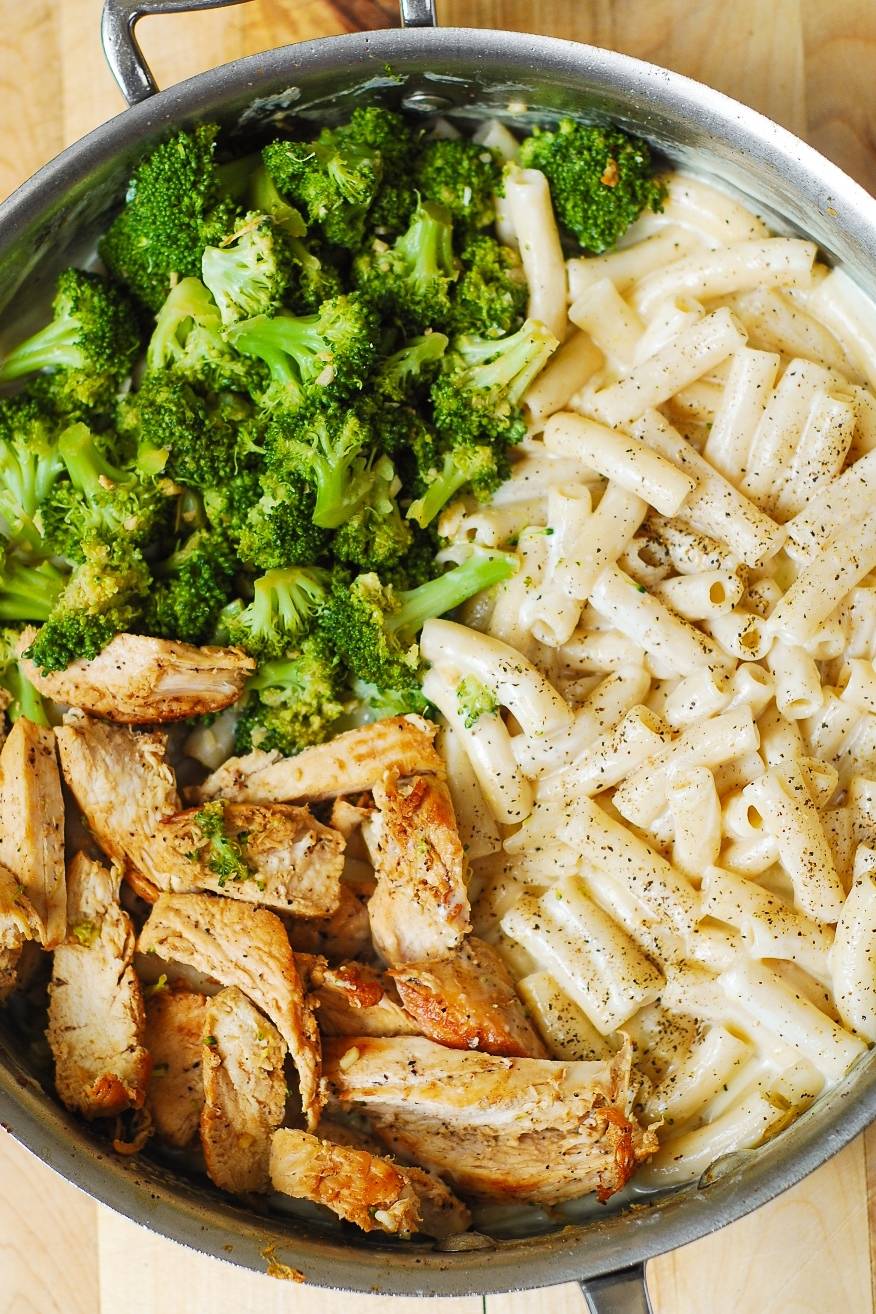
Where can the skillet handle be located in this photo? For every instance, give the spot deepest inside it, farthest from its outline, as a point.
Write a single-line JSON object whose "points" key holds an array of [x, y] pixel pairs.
{"points": [[622, 1292], [125, 58]]}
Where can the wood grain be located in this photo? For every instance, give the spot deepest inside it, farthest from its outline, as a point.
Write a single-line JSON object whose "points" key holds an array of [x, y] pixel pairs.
{"points": [[807, 63]]}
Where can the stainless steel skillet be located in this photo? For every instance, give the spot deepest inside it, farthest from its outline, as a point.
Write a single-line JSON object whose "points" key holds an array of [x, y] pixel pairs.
{"points": [[55, 216]]}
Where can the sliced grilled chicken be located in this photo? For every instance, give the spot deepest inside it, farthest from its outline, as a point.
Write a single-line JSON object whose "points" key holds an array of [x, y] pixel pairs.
{"points": [[349, 764], [468, 1001], [125, 787], [18, 923], [294, 861], [497, 1128], [96, 1019], [246, 947], [175, 1031], [419, 910], [345, 934], [353, 1000], [139, 681], [244, 1092], [32, 824]]}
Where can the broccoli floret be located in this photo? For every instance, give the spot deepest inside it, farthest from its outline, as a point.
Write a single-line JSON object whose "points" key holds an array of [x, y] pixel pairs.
{"points": [[279, 529], [175, 208], [180, 434], [600, 179], [263, 196], [326, 355], [405, 375], [388, 133], [190, 588], [292, 702], [188, 339], [411, 279], [373, 628], [24, 699], [30, 466], [315, 278], [463, 176], [474, 700], [284, 605], [477, 466], [334, 180], [103, 597], [248, 272], [228, 506], [101, 502], [331, 450], [223, 852], [91, 340], [477, 396], [28, 592], [376, 537], [377, 704], [490, 297]]}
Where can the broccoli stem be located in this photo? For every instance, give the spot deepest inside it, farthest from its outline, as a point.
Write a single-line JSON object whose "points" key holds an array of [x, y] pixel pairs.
{"points": [[189, 302], [281, 340], [428, 244], [29, 593], [58, 345], [508, 364], [438, 596], [26, 700], [89, 470], [438, 494]]}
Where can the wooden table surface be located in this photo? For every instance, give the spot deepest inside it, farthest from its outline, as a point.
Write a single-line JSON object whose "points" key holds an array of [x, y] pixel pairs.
{"points": [[811, 64]]}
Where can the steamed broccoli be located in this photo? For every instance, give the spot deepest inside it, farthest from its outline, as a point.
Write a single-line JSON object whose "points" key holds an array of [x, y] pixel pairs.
{"points": [[101, 502], [224, 853], [373, 628], [91, 341], [404, 375], [180, 434], [463, 176], [188, 339], [477, 396], [292, 702], [278, 529], [376, 536], [385, 131], [175, 208], [30, 466], [330, 450], [316, 356], [24, 699], [284, 605], [248, 272], [103, 597], [476, 466], [600, 179], [411, 279], [475, 700], [190, 588], [334, 180], [490, 297]]}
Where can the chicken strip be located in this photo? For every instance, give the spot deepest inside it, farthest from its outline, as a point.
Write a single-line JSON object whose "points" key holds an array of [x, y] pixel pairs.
{"points": [[468, 1001], [96, 1019], [353, 1000], [175, 1030], [138, 680], [244, 1092], [349, 764], [125, 788], [246, 947], [272, 854], [18, 923], [344, 934], [32, 824], [419, 910], [497, 1128]]}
